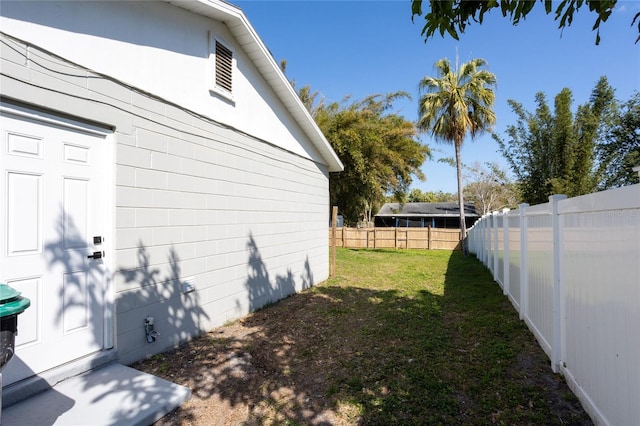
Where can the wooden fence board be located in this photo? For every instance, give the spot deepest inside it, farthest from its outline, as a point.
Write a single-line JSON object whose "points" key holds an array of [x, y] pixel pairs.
{"points": [[401, 238]]}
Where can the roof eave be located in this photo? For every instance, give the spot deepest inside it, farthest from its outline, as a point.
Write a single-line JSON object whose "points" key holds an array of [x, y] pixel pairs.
{"points": [[422, 215], [244, 33]]}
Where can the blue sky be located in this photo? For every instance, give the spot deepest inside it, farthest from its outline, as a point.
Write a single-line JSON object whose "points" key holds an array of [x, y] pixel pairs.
{"points": [[360, 48]]}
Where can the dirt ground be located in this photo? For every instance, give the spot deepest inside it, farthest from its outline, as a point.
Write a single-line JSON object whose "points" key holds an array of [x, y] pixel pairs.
{"points": [[244, 373], [268, 368]]}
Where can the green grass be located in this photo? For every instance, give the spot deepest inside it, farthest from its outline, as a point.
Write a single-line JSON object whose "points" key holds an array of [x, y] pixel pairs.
{"points": [[398, 337], [426, 337]]}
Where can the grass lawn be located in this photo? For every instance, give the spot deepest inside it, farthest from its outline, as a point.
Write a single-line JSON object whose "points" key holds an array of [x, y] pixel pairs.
{"points": [[397, 337], [432, 339]]}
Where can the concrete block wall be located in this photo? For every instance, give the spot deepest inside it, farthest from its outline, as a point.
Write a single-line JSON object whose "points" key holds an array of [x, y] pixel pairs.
{"points": [[244, 219], [195, 203]]}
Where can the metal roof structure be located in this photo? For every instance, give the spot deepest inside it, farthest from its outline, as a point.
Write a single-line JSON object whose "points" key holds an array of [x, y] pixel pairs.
{"points": [[426, 210]]}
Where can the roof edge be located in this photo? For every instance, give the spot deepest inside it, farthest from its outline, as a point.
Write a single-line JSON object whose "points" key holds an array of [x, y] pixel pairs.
{"points": [[239, 25]]}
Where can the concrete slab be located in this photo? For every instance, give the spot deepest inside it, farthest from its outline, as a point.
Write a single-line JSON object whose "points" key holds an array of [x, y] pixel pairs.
{"points": [[114, 394]]}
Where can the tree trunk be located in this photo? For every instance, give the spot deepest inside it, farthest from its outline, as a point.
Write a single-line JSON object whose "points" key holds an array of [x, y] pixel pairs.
{"points": [[463, 223]]}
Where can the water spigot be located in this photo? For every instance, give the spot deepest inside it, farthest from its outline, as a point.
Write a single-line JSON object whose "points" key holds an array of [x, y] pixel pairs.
{"points": [[149, 330]]}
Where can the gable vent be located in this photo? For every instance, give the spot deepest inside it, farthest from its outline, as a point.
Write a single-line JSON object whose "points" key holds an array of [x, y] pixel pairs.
{"points": [[224, 67]]}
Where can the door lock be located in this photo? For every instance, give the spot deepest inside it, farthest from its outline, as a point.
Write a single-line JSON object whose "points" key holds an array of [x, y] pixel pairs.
{"points": [[95, 255]]}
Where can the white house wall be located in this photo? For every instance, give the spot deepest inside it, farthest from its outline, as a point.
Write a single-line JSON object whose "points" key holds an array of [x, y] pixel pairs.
{"points": [[160, 49], [196, 202]]}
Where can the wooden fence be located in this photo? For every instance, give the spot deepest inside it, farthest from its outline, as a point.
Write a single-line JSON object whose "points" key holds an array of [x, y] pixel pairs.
{"points": [[400, 238]]}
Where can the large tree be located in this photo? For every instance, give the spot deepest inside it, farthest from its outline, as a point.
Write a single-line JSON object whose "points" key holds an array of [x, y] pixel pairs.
{"points": [[453, 16], [417, 196], [554, 152], [380, 150], [489, 187], [619, 149], [456, 102]]}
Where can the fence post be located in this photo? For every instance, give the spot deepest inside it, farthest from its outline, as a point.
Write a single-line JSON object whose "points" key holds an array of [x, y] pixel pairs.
{"points": [[478, 239], [505, 250], [429, 237], [558, 308], [395, 236], [494, 224], [334, 219], [483, 230], [482, 222], [486, 239], [524, 262], [481, 242]]}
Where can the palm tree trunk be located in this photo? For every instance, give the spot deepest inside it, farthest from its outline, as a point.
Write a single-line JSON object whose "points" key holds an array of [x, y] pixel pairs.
{"points": [[463, 224]]}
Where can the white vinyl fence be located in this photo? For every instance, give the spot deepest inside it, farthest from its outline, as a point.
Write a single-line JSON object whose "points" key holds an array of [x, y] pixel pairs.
{"points": [[571, 268]]}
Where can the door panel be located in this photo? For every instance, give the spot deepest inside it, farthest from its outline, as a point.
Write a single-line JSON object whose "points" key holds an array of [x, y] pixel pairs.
{"points": [[76, 215], [50, 183], [31, 288], [24, 211]]}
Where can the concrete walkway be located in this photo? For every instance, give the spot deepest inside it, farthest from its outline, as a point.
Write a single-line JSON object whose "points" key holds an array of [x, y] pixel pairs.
{"points": [[111, 395]]}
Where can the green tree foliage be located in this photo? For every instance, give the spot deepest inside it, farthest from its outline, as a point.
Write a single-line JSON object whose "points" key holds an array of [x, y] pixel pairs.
{"points": [[380, 151], [453, 16], [454, 103], [554, 153], [619, 150], [417, 196]]}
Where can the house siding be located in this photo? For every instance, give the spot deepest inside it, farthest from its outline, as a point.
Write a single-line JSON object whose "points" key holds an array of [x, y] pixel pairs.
{"points": [[157, 48], [242, 216], [245, 235]]}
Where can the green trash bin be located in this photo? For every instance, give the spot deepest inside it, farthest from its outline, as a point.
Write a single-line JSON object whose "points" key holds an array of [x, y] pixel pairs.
{"points": [[11, 305]]}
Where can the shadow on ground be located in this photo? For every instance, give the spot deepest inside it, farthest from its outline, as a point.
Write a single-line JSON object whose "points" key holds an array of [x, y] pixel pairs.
{"points": [[357, 350]]}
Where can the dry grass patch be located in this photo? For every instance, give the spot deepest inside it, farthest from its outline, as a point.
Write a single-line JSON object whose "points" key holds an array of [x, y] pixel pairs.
{"points": [[398, 337]]}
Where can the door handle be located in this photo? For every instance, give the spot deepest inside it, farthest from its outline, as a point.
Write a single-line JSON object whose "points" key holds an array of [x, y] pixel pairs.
{"points": [[95, 255]]}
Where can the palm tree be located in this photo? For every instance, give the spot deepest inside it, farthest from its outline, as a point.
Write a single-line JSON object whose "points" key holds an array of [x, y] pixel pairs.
{"points": [[454, 103]]}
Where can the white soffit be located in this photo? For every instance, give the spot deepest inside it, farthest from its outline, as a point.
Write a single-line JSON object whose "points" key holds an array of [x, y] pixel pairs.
{"points": [[248, 39]]}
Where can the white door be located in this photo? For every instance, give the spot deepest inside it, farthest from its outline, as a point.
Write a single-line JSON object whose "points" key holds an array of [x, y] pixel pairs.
{"points": [[52, 191]]}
